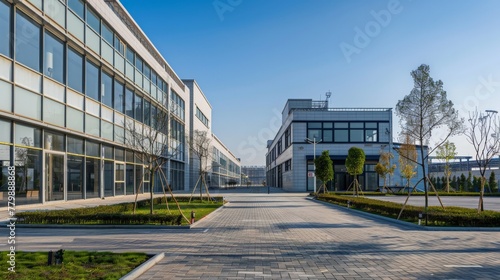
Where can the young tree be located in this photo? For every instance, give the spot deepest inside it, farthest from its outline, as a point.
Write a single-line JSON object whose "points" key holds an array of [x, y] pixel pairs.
{"points": [[447, 152], [425, 110], [463, 182], [200, 146], [354, 164], [483, 134], [324, 169], [151, 146], [384, 167]]}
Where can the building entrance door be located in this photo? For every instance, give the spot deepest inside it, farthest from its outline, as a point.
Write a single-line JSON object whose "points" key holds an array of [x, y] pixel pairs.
{"points": [[54, 176]]}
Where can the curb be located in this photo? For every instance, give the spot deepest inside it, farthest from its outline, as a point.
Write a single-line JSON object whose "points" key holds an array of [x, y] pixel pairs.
{"points": [[138, 271], [211, 213], [98, 226], [407, 224]]}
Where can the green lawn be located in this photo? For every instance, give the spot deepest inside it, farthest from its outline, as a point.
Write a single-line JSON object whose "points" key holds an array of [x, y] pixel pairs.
{"points": [[76, 265], [201, 209], [121, 214]]}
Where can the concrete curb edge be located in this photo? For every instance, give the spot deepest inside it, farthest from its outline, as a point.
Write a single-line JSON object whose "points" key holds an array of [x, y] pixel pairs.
{"points": [[138, 271]]}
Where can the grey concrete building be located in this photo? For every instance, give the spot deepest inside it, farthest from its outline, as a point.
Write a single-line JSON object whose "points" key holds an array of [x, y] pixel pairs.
{"points": [[290, 156]]}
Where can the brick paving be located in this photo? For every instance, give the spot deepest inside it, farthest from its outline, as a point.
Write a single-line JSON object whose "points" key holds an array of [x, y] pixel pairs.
{"points": [[288, 236]]}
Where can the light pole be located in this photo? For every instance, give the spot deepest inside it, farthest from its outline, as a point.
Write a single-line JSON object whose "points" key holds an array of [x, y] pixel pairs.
{"points": [[314, 142]]}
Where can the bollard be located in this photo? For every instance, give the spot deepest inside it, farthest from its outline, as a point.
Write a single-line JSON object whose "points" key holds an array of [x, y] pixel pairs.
{"points": [[193, 215], [51, 260], [419, 218], [348, 204]]}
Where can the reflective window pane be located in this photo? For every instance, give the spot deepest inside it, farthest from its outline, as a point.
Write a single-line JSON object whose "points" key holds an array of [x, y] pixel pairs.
{"points": [[27, 41], [93, 21], [341, 135], [93, 171], [75, 70], [74, 177], [106, 89], [53, 112], [356, 135], [5, 28], [5, 129], [130, 55], [27, 103], [107, 34], [77, 7], [129, 103], [92, 80], [53, 141], [92, 125], [138, 107], [92, 149], [75, 145], [119, 98], [74, 119], [27, 136], [147, 112]]}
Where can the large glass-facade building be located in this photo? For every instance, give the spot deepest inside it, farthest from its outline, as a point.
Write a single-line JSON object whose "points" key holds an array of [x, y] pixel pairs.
{"points": [[75, 77]]}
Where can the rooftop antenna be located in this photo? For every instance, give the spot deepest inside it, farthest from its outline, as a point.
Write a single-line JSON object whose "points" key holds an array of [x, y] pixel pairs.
{"points": [[328, 95]]}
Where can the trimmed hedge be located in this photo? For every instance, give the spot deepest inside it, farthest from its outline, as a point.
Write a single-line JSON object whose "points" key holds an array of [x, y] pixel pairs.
{"points": [[105, 214], [450, 216]]}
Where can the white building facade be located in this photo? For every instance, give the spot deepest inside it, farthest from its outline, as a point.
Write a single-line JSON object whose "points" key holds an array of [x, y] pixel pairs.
{"points": [[74, 74]]}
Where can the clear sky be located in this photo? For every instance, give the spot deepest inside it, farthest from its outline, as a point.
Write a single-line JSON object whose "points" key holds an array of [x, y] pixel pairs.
{"points": [[250, 56]]}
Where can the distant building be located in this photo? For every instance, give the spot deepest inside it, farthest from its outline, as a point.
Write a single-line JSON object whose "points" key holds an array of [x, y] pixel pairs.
{"points": [[255, 175], [289, 160]]}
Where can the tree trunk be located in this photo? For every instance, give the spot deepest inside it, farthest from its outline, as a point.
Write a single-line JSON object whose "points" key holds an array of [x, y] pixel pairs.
{"points": [[426, 193], [151, 186], [480, 207]]}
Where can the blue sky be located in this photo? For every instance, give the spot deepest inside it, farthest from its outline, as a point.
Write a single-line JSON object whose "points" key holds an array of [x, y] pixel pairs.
{"points": [[250, 56]]}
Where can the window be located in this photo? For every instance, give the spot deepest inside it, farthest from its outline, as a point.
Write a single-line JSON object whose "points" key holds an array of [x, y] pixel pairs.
{"points": [[138, 107], [92, 80], [107, 34], [27, 42], [53, 141], [27, 103], [288, 165], [356, 133], [119, 99], [314, 131], [5, 28], [147, 113], [53, 112], [77, 7], [54, 58], [75, 145], [93, 21], [106, 89], [288, 138], [27, 136], [75, 70], [147, 71], [371, 132], [74, 119], [138, 63], [201, 116], [129, 102], [130, 55], [119, 46]]}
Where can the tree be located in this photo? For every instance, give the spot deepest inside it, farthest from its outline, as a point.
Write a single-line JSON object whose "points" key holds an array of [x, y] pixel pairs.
{"points": [[384, 167], [354, 164], [200, 146], [463, 182], [324, 169], [425, 110], [493, 182], [151, 146], [469, 186], [483, 134], [447, 152]]}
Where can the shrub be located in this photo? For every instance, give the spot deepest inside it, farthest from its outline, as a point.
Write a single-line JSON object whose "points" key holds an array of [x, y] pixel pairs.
{"points": [[450, 216]]}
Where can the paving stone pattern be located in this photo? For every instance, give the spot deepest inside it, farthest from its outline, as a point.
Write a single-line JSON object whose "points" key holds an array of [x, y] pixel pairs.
{"points": [[288, 236]]}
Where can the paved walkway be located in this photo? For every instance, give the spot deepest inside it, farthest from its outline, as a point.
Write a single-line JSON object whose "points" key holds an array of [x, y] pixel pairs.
{"points": [[283, 235]]}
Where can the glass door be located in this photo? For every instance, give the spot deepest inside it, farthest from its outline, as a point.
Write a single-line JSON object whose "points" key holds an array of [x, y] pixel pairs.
{"points": [[119, 178], [54, 176]]}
